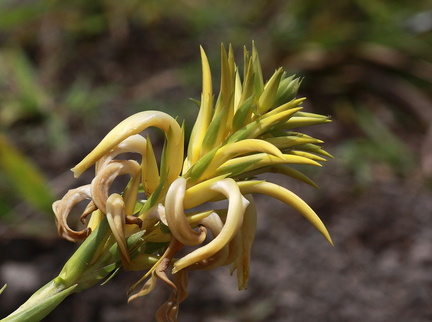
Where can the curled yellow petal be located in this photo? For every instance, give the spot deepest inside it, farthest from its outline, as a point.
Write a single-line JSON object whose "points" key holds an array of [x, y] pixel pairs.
{"points": [[287, 197], [195, 195], [236, 207], [175, 216], [102, 182], [132, 125], [235, 149], [214, 223], [135, 144]]}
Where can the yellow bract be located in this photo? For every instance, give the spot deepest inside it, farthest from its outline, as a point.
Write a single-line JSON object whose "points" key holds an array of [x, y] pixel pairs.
{"points": [[287, 197]]}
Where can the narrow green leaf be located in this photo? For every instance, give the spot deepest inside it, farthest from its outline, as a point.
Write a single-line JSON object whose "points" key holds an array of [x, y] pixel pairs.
{"points": [[24, 177]]}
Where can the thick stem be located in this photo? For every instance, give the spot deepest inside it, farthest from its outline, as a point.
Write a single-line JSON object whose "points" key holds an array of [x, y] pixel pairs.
{"points": [[48, 297], [97, 258], [41, 303]]}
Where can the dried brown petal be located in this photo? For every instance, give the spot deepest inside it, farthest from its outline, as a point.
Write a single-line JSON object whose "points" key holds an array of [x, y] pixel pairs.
{"points": [[62, 209]]}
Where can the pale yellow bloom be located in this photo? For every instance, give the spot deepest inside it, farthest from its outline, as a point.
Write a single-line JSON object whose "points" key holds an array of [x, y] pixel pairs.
{"points": [[246, 132], [176, 218], [236, 208]]}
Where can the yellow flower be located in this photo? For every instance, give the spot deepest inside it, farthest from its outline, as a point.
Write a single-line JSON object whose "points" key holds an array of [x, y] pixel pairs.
{"points": [[245, 132]]}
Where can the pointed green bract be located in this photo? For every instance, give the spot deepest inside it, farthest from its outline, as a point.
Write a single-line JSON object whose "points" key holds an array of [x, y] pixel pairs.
{"points": [[154, 198], [314, 149], [85, 254], [242, 114], [291, 141], [267, 98], [287, 90], [302, 121], [248, 88], [198, 169], [258, 80], [214, 132], [285, 107], [149, 169], [205, 113], [237, 168], [261, 125]]}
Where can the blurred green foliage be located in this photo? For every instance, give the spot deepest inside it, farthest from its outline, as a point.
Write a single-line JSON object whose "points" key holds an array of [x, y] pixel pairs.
{"points": [[378, 147], [23, 178], [67, 66]]}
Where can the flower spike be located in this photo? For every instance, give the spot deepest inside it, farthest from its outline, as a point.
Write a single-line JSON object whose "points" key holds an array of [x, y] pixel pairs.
{"points": [[153, 225]]}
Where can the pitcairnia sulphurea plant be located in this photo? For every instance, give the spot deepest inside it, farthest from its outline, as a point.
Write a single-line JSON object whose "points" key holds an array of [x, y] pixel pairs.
{"points": [[247, 130]]}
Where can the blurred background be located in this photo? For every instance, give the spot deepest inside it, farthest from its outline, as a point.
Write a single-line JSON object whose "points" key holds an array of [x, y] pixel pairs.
{"points": [[70, 70]]}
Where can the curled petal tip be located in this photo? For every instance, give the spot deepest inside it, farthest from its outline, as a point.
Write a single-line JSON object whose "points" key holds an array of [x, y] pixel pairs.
{"points": [[115, 208], [176, 218]]}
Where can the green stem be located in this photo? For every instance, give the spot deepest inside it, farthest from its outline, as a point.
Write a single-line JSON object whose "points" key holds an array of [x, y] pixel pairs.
{"points": [[43, 301], [97, 258]]}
